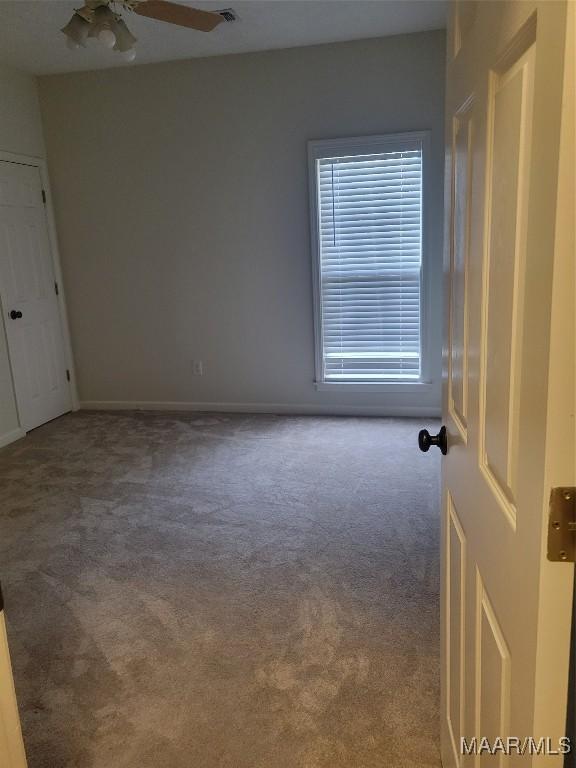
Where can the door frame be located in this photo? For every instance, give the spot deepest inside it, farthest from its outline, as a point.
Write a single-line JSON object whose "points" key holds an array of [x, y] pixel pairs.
{"points": [[40, 163]]}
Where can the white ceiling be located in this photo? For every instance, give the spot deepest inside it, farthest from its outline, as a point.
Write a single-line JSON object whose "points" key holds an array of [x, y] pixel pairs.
{"points": [[30, 38]]}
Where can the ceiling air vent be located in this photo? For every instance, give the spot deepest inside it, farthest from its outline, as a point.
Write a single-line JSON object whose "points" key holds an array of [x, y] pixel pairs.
{"points": [[228, 14]]}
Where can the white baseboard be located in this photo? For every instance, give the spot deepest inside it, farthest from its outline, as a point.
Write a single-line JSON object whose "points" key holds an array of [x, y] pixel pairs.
{"points": [[273, 408], [10, 437]]}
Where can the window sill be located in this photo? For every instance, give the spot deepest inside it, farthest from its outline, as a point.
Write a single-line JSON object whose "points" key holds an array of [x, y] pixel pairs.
{"points": [[404, 387]]}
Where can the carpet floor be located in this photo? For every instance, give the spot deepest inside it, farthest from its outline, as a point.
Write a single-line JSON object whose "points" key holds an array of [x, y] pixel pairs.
{"points": [[223, 591]]}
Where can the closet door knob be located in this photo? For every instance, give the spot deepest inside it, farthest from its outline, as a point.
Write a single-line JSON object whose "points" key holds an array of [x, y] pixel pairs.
{"points": [[15, 315], [425, 440]]}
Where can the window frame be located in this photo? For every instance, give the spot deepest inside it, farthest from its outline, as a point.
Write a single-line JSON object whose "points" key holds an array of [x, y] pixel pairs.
{"points": [[324, 148]]}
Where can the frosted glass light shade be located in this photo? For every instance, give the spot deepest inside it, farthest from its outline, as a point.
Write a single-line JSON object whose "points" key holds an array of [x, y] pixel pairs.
{"points": [[77, 30], [107, 38], [124, 38]]}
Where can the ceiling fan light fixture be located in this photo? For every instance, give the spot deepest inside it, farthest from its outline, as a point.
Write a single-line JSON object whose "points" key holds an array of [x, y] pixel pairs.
{"points": [[97, 21]]}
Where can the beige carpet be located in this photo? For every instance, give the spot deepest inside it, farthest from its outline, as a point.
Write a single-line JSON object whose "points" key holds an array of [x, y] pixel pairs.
{"points": [[189, 591]]}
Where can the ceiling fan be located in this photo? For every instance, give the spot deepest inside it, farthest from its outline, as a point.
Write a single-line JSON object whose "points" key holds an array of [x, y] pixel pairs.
{"points": [[101, 19]]}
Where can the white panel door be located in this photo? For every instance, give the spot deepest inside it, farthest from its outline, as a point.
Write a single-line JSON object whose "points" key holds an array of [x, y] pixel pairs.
{"points": [[505, 608], [29, 301]]}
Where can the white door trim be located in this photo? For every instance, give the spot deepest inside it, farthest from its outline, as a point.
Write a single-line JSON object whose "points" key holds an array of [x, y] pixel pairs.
{"points": [[40, 163]]}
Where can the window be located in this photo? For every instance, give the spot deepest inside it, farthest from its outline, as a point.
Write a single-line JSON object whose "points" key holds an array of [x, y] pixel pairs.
{"points": [[367, 227]]}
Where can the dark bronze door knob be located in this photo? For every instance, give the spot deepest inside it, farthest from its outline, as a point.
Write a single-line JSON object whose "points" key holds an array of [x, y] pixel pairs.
{"points": [[15, 315], [425, 440]]}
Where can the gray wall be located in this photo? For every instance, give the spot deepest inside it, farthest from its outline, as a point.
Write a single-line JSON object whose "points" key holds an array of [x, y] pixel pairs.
{"points": [[20, 123], [20, 133], [182, 208]]}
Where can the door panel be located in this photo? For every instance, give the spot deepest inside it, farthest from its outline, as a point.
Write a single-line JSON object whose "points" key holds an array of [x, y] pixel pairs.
{"points": [[462, 150], [455, 622], [510, 116], [492, 671], [27, 285], [505, 608]]}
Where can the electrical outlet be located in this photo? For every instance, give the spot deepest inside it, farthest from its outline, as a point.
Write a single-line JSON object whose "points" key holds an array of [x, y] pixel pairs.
{"points": [[197, 368]]}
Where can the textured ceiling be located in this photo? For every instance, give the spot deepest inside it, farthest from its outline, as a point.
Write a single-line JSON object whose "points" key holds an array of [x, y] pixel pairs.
{"points": [[30, 38]]}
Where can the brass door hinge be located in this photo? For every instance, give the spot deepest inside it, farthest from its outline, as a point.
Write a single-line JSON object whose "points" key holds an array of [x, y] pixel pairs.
{"points": [[562, 525]]}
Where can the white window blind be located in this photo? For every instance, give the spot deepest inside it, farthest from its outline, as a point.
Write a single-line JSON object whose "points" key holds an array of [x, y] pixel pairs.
{"points": [[370, 248]]}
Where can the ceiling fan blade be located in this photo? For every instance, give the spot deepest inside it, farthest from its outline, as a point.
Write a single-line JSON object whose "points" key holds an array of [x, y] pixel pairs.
{"points": [[182, 15]]}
